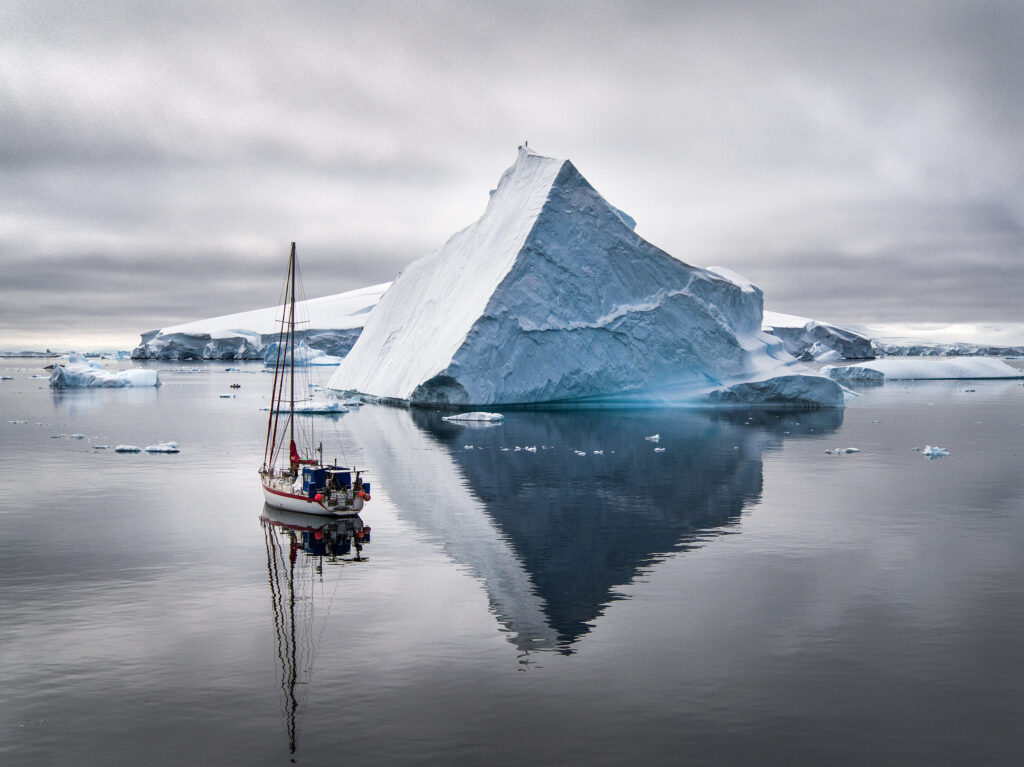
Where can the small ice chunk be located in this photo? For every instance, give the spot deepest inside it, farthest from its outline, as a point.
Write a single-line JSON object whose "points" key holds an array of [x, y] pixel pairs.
{"points": [[478, 415], [653, 437], [100, 447], [659, 450], [933, 451], [163, 447], [531, 449], [580, 452], [843, 450], [127, 449], [6, 378], [77, 436], [227, 396], [467, 447]]}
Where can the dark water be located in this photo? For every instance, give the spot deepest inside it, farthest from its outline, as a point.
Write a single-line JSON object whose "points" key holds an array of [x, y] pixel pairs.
{"points": [[740, 598]]}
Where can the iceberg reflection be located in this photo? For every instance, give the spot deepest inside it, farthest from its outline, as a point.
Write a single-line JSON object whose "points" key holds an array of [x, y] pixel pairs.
{"points": [[555, 510]]}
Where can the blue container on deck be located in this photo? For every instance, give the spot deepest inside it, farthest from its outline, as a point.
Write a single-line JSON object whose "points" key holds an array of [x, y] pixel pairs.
{"points": [[313, 478], [366, 487], [341, 478]]}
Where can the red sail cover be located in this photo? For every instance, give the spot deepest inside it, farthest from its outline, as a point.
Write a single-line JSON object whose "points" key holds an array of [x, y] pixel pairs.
{"points": [[294, 455]]}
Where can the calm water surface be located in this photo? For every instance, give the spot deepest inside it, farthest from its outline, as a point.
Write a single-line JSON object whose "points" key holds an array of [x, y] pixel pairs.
{"points": [[742, 597]]}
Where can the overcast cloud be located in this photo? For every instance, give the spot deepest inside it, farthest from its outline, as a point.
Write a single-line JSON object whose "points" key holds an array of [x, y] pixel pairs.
{"points": [[859, 161]]}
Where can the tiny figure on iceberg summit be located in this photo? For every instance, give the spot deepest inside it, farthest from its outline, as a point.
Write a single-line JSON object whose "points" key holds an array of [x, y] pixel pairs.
{"points": [[552, 297]]}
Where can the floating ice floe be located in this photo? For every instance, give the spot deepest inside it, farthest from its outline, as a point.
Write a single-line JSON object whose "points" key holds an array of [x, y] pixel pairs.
{"points": [[955, 368], [932, 451], [6, 378], [100, 447], [79, 373], [163, 447], [653, 438], [314, 407], [127, 449], [659, 450], [227, 396], [842, 450], [580, 452], [77, 436], [477, 415]]}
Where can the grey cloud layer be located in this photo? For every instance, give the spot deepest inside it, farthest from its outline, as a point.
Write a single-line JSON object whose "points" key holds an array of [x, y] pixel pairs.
{"points": [[868, 144]]}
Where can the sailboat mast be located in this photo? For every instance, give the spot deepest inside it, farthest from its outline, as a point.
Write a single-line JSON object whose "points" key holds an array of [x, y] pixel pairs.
{"points": [[291, 330]]}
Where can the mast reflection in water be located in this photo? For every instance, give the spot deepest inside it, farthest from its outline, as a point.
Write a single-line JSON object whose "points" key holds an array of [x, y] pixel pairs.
{"points": [[297, 547], [555, 511]]}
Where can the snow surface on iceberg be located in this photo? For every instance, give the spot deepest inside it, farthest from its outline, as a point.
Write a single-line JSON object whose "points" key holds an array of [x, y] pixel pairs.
{"points": [[79, 373], [334, 323], [815, 340], [552, 297], [955, 368]]}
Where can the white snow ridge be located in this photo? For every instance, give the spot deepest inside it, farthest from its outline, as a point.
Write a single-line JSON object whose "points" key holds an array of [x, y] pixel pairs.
{"points": [[551, 297]]}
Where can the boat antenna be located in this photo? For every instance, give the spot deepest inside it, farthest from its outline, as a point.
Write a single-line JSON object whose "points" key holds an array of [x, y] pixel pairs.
{"points": [[291, 330]]}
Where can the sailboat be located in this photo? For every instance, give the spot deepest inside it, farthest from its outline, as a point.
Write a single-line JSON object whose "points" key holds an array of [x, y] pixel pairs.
{"points": [[294, 477]]}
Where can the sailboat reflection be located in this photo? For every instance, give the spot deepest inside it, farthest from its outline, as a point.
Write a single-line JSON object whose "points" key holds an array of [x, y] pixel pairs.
{"points": [[556, 511], [297, 546]]}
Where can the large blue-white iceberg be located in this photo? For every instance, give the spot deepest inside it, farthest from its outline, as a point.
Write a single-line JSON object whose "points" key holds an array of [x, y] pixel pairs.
{"points": [[552, 297]]}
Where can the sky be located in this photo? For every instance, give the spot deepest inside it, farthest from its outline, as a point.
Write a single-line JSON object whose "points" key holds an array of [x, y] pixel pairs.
{"points": [[860, 162]]}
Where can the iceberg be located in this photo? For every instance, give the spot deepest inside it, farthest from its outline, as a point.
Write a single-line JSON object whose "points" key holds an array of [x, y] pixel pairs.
{"points": [[304, 354], [79, 373], [956, 368], [809, 339], [334, 323], [552, 297]]}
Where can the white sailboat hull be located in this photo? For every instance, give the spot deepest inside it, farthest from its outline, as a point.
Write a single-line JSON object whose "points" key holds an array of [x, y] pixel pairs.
{"points": [[286, 501]]}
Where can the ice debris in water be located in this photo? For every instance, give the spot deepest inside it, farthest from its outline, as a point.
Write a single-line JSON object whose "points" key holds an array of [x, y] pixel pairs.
{"points": [[598, 452], [467, 447], [99, 447], [474, 416], [127, 449], [932, 451], [653, 437], [77, 436], [659, 450], [163, 447], [580, 452], [842, 450]]}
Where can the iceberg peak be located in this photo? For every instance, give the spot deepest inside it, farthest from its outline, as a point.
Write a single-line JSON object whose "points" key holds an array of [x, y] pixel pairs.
{"points": [[551, 296]]}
